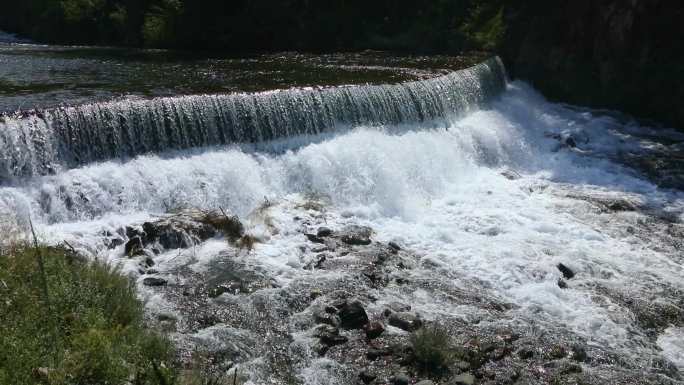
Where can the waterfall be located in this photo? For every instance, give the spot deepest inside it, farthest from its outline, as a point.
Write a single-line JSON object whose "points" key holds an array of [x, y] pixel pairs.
{"points": [[45, 142]]}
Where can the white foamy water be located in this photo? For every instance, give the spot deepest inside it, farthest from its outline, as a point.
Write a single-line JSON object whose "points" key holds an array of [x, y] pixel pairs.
{"points": [[672, 343], [438, 192]]}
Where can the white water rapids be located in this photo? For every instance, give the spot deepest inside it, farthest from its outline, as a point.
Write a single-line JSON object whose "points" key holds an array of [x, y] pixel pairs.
{"points": [[437, 191]]}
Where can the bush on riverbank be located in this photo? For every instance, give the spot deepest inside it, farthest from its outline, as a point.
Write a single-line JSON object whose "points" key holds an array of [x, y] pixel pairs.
{"points": [[78, 323]]}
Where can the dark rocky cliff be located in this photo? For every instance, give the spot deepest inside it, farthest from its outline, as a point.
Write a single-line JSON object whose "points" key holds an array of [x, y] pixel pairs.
{"points": [[619, 54]]}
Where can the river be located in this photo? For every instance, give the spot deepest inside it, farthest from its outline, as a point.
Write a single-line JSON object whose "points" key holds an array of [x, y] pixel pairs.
{"points": [[485, 186]]}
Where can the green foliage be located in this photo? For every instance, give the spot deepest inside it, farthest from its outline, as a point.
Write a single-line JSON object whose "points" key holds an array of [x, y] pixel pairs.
{"points": [[432, 350], [89, 331], [485, 27], [263, 25]]}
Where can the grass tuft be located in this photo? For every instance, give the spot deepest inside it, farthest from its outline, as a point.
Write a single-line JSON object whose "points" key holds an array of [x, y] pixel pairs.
{"points": [[433, 353]]}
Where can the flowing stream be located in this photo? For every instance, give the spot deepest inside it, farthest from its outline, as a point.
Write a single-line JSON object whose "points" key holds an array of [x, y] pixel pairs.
{"points": [[484, 180]]}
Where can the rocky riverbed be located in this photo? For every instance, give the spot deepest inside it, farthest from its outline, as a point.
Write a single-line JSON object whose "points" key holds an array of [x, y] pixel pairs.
{"points": [[350, 307]]}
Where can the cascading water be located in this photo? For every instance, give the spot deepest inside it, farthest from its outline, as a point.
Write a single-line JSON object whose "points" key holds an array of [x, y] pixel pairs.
{"points": [[488, 185], [46, 142]]}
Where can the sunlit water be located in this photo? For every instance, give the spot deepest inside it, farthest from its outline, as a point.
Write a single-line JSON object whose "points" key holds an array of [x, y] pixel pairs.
{"points": [[437, 191], [422, 165]]}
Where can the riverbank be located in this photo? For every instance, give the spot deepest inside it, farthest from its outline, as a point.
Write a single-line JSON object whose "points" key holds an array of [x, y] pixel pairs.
{"points": [[68, 320]]}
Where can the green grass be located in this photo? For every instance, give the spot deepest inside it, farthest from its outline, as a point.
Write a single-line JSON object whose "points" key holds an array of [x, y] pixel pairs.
{"points": [[432, 350], [88, 331]]}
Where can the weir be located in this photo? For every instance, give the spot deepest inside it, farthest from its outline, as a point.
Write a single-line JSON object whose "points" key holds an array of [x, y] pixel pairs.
{"points": [[45, 142]]}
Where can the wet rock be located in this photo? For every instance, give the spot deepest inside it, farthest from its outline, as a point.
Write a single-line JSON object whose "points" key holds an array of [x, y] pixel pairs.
{"points": [[394, 247], [315, 293], [113, 243], [134, 247], [134, 231], [566, 271], [425, 382], [398, 307], [356, 235], [323, 232], [400, 379], [462, 379], [154, 281], [330, 335], [149, 262], [405, 321], [461, 366], [232, 287], [178, 232], [325, 317], [353, 315], [366, 376], [578, 353], [374, 330], [567, 367], [314, 238], [562, 284], [510, 175], [557, 351], [375, 353], [526, 353]]}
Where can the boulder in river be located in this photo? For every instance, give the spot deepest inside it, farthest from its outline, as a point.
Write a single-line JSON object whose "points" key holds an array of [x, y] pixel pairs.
{"points": [[374, 330], [353, 315], [356, 235], [566, 271]]}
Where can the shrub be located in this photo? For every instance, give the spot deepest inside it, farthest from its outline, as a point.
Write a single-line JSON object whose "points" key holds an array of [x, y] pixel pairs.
{"points": [[432, 350]]}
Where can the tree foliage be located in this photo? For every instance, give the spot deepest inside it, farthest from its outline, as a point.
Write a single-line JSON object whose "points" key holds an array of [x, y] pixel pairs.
{"points": [[262, 25]]}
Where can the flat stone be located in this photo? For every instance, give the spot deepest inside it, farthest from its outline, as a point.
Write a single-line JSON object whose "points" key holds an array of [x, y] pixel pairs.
{"points": [[405, 321], [375, 353], [154, 281]]}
